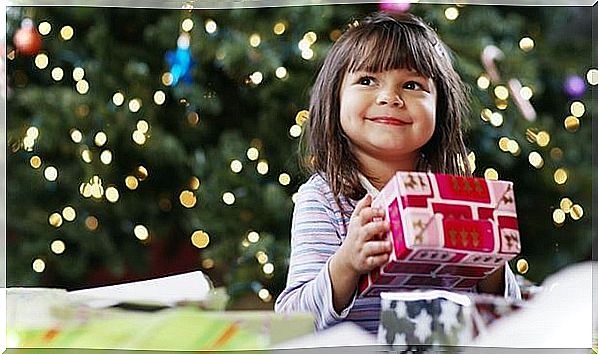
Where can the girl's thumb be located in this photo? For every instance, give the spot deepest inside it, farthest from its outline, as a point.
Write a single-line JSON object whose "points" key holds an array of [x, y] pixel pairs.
{"points": [[364, 202]]}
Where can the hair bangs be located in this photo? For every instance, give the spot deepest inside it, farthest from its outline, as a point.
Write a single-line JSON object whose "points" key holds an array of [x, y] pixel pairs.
{"points": [[384, 48]]}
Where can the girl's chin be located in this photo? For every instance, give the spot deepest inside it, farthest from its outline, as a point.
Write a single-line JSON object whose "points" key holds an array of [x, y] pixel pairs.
{"points": [[394, 151]]}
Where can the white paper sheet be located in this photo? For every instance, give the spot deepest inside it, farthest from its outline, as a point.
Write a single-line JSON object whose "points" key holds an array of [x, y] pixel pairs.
{"points": [[560, 317], [169, 290], [346, 334]]}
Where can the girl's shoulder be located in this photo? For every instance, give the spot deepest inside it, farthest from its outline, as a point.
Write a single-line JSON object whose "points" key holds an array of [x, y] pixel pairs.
{"points": [[317, 179], [317, 185]]}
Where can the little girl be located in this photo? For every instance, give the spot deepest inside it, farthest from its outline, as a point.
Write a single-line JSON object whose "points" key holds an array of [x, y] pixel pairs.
{"points": [[387, 99]]}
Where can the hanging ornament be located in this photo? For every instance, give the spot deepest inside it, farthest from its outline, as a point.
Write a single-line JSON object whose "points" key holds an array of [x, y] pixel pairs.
{"points": [[491, 54], [524, 105], [180, 61], [574, 86], [27, 40], [395, 5]]}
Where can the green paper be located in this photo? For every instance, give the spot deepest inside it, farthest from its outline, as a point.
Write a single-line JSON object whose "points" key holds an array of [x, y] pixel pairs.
{"points": [[175, 329]]}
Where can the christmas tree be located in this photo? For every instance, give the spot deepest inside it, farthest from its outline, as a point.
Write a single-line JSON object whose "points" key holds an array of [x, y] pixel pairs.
{"points": [[144, 142]]}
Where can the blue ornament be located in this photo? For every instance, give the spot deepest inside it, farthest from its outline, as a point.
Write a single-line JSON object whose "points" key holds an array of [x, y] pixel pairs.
{"points": [[180, 62], [574, 86]]}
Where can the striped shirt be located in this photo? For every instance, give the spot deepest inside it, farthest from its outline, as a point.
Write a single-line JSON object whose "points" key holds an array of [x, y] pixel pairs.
{"points": [[317, 231]]}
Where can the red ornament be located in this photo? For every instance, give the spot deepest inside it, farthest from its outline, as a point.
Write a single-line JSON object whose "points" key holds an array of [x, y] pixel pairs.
{"points": [[27, 40]]}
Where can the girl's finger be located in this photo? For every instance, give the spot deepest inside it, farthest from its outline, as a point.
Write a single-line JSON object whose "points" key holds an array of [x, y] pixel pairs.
{"points": [[372, 262], [363, 203], [369, 213], [373, 229], [376, 248]]}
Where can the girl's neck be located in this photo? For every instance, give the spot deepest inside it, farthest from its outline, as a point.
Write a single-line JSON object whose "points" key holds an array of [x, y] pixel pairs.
{"points": [[380, 171]]}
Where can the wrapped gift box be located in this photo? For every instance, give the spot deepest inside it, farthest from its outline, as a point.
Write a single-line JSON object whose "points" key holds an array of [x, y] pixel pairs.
{"points": [[437, 317], [448, 232], [162, 314], [179, 329]]}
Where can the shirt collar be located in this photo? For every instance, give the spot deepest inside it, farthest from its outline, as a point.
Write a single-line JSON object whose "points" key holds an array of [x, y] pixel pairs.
{"points": [[368, 186]]}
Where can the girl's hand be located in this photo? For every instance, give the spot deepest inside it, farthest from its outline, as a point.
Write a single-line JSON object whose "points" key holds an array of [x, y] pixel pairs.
{"points": [[365, 246]]}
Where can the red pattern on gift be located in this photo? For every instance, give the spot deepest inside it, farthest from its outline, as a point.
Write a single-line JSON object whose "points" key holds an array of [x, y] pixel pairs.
{"points": [[452, 211], [507, 222], [441, 282], [465, 271], [471, 235], [383, 279], [409, 268], [486, 213], [428, 255], [415, 201], [400, 251], [463, 188]]}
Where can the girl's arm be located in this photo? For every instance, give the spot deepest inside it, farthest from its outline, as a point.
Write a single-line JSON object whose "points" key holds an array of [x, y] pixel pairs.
{"points": [[363, 250], [315, 237], [319, 282], [344, 282]]}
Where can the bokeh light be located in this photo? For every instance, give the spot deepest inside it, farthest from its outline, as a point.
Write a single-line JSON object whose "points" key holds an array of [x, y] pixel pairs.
{"points": [[558, 216], [67, 32], [44, 28], [69, 213], [228, 198], [141, 232], [279, 28], [236, 166], [200, 239], [112, 194], [253, 237], [262, 167], [284, 179], [451, 13], [483, 82], [522, 266], [526, 44], [57, 246], [253, 153], [560, 176], [118, 99], [491, 174], [38, 265], [51, 173], [187, 199]]}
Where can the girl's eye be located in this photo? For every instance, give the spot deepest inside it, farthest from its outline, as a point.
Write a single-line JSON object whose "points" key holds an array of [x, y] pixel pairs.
{"points": [[413, 85], [366, 80]]}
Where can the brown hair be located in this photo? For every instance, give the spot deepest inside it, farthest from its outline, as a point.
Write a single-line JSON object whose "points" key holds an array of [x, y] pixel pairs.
{"points": [[378, 43]]}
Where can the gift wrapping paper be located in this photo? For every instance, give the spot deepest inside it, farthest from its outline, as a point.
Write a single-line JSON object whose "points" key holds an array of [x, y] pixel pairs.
{"points": [[429, 318]]}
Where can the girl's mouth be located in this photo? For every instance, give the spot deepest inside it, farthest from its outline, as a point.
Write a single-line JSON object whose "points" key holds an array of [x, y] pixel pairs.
{"points": [[389, 121]]}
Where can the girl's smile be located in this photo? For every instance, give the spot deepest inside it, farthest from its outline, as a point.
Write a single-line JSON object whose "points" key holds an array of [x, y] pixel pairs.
{"points": [[389, 120]]}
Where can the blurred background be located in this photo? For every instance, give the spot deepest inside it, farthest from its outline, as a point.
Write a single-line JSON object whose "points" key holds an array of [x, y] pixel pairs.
{"points": [[148, 142]]}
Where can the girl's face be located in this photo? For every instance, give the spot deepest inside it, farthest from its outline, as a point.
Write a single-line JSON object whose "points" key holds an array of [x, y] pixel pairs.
{"points": [[388, 116]]}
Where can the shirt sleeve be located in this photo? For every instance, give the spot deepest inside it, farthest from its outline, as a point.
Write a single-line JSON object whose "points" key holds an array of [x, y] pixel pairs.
{"points": [[512, 290], [314, 239]]}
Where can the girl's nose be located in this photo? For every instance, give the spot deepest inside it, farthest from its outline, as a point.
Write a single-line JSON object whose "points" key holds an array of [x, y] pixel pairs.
{"points": [[389, 98]]}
